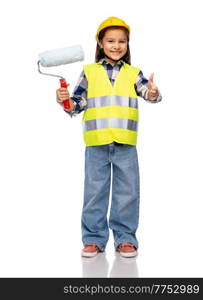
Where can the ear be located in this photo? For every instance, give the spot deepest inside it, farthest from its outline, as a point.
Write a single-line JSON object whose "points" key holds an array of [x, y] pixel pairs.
{"points": [[100, 44]]}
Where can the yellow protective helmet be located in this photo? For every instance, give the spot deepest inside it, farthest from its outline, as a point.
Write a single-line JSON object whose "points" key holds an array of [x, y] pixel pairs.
{"points": [[112, 21]]}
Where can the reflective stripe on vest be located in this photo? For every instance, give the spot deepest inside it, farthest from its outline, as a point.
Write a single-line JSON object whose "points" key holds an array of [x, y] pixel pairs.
{"points": [[110, 123], [112, 110], [112, 100]]}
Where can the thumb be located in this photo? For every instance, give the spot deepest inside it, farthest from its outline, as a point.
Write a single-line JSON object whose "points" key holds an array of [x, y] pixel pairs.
{"points": [[151, 78]]}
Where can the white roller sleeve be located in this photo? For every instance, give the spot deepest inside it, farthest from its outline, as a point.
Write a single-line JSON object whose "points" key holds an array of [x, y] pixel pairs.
{"points": [[61, 56]]}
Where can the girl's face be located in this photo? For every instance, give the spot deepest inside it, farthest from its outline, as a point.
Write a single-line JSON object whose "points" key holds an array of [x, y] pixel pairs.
{"points": [[114, 44]]}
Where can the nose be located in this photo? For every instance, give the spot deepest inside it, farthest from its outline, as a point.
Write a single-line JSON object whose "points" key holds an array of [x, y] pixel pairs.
{"points": [[116, 45]]}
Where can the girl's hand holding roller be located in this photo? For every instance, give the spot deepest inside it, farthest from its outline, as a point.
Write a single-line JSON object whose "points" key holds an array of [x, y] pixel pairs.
{"points": [[62, 94]]}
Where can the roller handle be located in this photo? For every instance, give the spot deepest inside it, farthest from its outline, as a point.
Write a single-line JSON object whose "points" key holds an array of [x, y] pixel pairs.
{"points": [[63, 83]]}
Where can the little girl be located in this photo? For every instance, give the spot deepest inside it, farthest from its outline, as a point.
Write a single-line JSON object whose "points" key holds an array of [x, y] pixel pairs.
{"points": [[107, 92]]}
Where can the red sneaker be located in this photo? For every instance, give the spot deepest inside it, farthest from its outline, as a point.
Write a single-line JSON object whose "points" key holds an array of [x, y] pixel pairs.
{"points": [[90, 250], [127, 250]]}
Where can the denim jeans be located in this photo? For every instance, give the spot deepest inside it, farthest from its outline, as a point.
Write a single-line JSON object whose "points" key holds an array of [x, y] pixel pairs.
{"points": [[124, 211]]}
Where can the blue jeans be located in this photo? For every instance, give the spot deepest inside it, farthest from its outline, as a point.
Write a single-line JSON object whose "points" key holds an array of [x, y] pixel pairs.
{"points": [[124, 212]]}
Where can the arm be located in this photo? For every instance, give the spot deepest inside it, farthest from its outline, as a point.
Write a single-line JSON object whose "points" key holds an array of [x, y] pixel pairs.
{"points": [[147, 89], [78, 99]]}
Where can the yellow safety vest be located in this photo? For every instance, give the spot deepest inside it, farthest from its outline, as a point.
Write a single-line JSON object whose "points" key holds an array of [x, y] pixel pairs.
{"points": [[112, 111]]}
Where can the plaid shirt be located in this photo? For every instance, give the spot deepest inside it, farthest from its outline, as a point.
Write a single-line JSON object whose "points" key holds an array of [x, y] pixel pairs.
{"points": [[79, 95]]}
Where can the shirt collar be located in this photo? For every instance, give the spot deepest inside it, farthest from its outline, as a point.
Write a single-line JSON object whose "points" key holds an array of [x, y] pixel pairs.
{"points": [[103, 61]]}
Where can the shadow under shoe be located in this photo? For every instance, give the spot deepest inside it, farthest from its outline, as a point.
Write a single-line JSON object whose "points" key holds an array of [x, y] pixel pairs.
{"points": [[95, 267], [124, 267]]}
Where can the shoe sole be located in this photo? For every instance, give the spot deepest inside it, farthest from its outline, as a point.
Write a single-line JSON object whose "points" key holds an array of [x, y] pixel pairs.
{"points": [[130, 254], [89, 254]]}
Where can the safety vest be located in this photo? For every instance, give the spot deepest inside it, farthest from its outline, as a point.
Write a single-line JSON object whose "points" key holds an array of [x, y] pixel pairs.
{"points": [[112, 110]]}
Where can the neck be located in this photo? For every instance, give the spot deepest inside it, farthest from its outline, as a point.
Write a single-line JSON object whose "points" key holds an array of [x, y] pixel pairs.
{"points": [[111, 61]]}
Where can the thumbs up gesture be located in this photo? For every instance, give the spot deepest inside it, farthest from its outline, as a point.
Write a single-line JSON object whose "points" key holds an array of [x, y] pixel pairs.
{"points": [[152, 88]]}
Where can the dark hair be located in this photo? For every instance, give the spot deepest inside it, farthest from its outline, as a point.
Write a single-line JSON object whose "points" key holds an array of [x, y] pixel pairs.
{"points": [[100, 52]]}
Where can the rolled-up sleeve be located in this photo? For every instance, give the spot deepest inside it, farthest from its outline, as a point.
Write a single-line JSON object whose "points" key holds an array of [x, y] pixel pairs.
{"points": [[79, 96]]}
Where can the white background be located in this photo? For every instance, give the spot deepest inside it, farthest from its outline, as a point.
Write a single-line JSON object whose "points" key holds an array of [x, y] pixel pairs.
{"points": [[42, 149]]}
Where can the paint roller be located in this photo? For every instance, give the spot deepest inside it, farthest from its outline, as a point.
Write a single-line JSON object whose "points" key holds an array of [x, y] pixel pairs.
{"points": [[57, 57]]}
